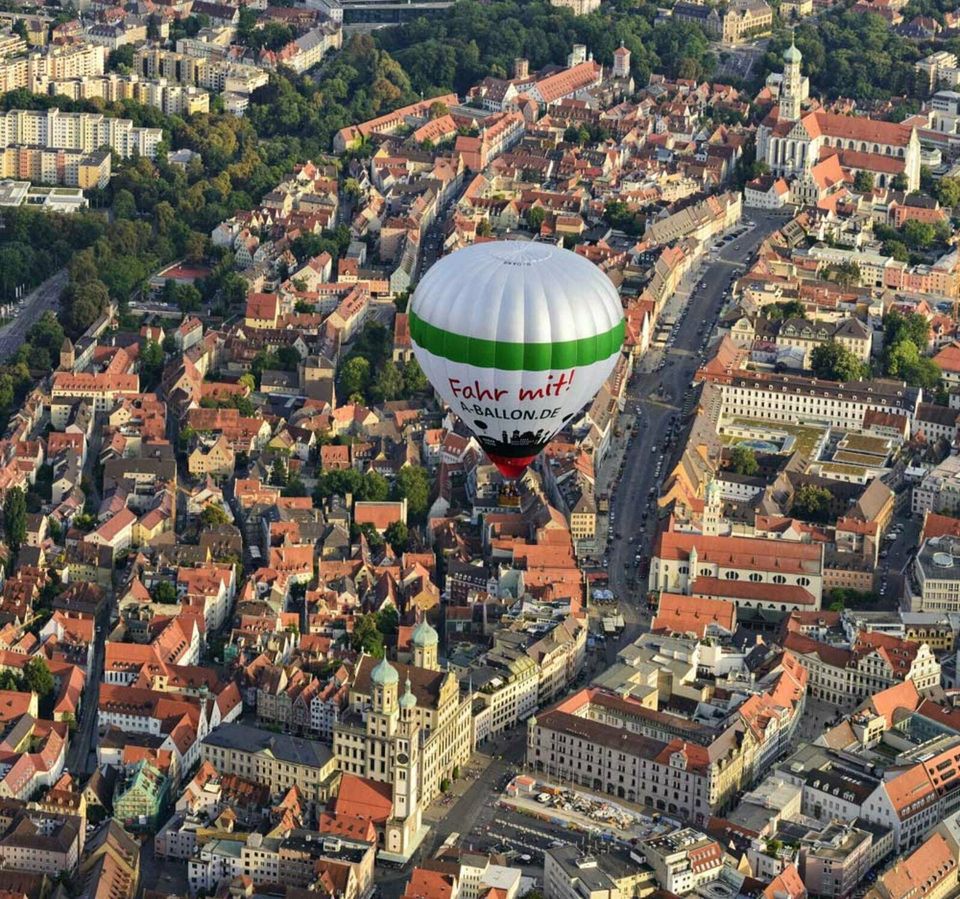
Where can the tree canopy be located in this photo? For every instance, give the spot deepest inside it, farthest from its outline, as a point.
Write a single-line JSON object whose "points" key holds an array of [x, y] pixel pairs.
{"points": [[811, 503], [834, 362], [15, 518], [413, 484], [905, 339], [367, 635], [743, 460]]}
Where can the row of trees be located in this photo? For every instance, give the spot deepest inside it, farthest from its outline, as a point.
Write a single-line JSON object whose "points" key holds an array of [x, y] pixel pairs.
{"points": [[412, 484], [852, 54]]}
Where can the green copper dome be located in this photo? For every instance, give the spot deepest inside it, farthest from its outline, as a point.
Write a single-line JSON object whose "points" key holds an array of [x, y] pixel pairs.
{"points": [[408, 700], [384, 674], [424, 635]]}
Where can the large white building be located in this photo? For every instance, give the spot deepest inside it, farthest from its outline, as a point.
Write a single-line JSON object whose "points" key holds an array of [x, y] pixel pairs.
{"points": [[935, 585], [792, 141], [798, 400], [505, 690], [85, 131], [846, 676], [939, 489]]}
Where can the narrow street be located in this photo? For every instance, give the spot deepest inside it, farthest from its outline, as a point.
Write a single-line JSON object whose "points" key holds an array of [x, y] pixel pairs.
{"points": [[82, 741]]}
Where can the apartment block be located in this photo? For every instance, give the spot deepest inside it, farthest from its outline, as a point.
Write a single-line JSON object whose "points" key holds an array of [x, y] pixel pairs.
{"points": [[32, 72], [72, 168], [85, 131], [172, 99], [210, 74]]}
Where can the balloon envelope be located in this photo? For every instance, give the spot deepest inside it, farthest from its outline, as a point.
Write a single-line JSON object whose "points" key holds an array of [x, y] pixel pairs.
{"points": [[516, 337]]}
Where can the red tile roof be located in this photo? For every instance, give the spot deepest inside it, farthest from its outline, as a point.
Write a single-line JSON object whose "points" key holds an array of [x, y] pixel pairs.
{"points": [[567, 82], [949, 358], [362, 798], [747, 590], [740, 552], [692, 614]]}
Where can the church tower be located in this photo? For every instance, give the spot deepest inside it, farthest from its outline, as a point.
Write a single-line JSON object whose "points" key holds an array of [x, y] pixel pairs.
{"points": [[712, 510], [425, 641], [68, 356], [791, 90]]}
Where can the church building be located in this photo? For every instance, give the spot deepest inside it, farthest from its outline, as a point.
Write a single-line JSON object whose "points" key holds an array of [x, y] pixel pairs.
{"points": [[809, 146]]}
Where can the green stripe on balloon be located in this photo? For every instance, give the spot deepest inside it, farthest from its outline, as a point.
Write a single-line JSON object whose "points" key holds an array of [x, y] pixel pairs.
{"points": [[509, 356]]}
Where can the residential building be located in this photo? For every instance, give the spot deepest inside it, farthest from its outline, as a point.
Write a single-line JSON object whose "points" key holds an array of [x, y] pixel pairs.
{"points": [[84, 131], [938, 489], [42, 843], [218, 75], [683, 860], [834, 861], [846, 676], [298, 858], [276, 760], [569, 874], [930, 870], [579, 7]]}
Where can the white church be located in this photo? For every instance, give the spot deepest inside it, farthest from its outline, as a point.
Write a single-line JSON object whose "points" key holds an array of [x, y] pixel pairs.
{"points": [[812, 148]]}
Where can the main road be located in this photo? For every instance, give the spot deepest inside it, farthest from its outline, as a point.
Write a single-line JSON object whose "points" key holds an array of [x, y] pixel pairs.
{"points": [[45, 297], [631, 471]]}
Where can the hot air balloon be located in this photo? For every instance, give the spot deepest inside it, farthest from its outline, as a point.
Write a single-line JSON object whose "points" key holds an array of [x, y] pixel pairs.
{"points": [[516, 337]]}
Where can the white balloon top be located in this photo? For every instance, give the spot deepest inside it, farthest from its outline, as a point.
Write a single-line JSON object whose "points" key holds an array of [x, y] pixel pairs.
{"points": [[516, 292]]}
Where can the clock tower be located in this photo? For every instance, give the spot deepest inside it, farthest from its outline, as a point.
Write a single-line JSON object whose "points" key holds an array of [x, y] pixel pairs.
{"points": [[405, 822]]}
